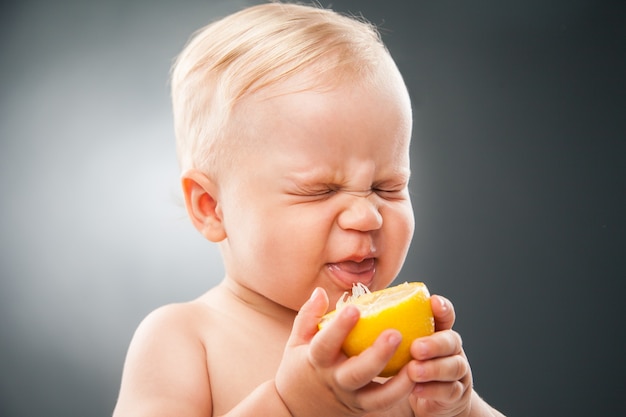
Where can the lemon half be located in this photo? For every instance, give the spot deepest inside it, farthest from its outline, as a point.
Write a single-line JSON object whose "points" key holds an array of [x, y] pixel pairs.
{"points": [[404, 307]]}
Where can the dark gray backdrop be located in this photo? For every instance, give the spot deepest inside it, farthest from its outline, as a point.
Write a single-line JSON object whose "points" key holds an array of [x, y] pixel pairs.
{"points": [[518, 188]]}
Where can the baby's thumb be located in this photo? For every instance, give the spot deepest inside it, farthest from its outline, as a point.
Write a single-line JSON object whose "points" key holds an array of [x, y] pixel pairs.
{"points": [[443, 312], [305, 324]]}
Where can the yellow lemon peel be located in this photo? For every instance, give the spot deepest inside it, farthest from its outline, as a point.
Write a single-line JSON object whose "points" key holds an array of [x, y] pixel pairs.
{"points": [[405, 307]]}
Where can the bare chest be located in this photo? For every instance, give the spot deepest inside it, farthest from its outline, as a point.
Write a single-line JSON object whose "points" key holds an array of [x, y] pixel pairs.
{"points": [[241, 356]]}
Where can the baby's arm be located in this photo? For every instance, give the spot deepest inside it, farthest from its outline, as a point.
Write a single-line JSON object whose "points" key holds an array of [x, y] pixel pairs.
{"points": [[442, 372], [165, 372]]}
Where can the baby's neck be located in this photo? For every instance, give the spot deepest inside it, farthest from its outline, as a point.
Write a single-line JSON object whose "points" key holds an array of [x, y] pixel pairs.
{"points": [[259, 303]]}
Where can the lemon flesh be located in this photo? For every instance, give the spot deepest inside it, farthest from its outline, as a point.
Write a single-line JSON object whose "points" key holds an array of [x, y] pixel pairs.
{"points": [[405, 307]]}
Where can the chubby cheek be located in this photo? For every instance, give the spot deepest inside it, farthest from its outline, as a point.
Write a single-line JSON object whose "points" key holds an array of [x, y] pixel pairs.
{"points": [[399, 229], [280, 256], [295, 267], [407, 225]]}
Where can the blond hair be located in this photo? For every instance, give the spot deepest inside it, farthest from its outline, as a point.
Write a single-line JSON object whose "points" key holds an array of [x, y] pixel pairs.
{"points": [[250, 50]]}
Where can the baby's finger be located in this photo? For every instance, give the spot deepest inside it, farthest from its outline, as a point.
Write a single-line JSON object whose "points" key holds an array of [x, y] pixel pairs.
{"points": [[443, 311], [442, 392], [376, 396], [448, 369], [326, 345], [305, 323], [359, 370], [444, 343]]}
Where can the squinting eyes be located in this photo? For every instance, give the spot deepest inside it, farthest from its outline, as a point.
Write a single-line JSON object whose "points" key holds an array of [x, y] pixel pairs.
{"points": [[366, 193], [384, 193]]}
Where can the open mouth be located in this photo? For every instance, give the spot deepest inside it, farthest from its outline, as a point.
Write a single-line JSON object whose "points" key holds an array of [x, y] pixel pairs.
{"points": [[352, 272]]}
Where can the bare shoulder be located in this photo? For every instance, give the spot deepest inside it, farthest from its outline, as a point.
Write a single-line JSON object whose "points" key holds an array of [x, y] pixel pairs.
{"points": [[165, 372], [180, 318]]}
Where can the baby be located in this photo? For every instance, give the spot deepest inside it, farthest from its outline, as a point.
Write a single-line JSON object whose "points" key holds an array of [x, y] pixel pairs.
{"points": [[293, 127]]}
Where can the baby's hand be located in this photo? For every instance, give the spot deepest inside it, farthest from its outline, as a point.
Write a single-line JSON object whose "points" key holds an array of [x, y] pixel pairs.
{"points": [[440, 368], [316, 379]]}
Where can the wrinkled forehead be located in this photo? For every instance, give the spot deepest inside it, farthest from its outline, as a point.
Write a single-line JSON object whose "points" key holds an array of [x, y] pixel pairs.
{"points": [[329, 100], [254, 110], [325, 76]]}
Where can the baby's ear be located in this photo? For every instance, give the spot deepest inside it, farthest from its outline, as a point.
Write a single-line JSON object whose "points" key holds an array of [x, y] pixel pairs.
{"points": [[201, 200]]}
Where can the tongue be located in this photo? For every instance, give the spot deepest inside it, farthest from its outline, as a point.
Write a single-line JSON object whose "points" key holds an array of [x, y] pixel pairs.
{"points": [[356, 267]]}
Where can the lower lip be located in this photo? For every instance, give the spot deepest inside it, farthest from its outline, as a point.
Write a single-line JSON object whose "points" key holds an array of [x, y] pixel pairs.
{"points": [[347, 278]]}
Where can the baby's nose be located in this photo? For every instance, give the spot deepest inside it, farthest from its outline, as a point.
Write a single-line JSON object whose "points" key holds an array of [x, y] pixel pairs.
{"points": [[360, 212]]}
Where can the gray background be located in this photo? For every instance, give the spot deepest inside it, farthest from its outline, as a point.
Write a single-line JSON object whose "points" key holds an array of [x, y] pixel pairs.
{"points": [[519, 192]]}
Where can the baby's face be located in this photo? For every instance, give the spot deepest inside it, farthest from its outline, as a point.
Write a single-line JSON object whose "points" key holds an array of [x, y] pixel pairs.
{"points": [[323, 199]]}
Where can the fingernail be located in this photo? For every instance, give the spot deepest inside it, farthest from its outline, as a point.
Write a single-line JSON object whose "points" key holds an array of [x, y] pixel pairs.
{"points": [[421, 349], [394, 339], [315, 293], [442, 303], [420, 370], [350, 311]]}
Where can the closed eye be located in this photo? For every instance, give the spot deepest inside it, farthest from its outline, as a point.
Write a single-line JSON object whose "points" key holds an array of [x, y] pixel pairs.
{"points": [[392, 193], [314, 194], [323, 193]]}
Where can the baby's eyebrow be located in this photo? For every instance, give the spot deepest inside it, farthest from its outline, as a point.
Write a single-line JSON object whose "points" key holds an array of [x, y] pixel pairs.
{"points": [[396, 177], [333, 178], [315, 176]]}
